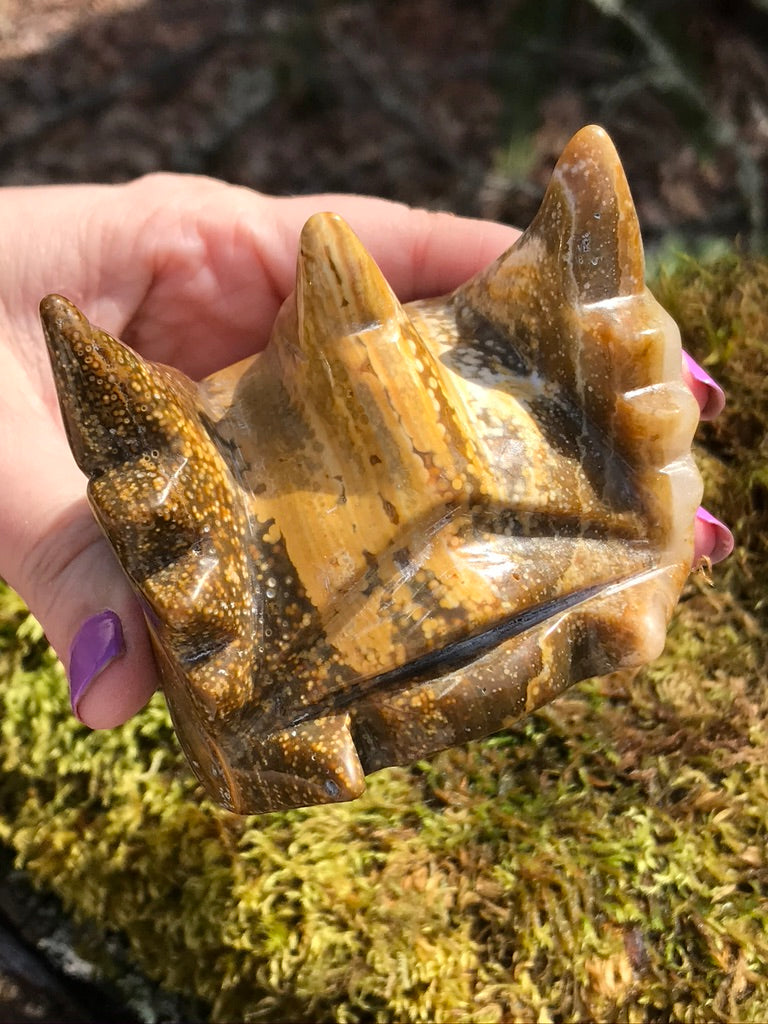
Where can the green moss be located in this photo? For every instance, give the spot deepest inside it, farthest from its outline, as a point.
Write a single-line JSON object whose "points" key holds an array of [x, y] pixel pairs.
{"points": [[722, 307], [603, 860]]}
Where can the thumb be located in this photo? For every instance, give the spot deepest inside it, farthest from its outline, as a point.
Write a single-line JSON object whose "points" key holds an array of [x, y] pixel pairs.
{"points": [[95, 624], [52, 552], [75, 588]]}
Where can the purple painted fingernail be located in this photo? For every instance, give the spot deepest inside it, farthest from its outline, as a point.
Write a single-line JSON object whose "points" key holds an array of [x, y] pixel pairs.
{"points": [[98, 642], [706, 391], [713, 539]]}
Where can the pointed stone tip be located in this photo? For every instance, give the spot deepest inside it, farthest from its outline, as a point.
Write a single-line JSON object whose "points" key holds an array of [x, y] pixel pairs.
{"points": [[321, 225], [592, 141], [61, 318], [66, 331], [328, 240], [53, 305], [103, 387], [66, 328], [606, 248], [339, 288]]}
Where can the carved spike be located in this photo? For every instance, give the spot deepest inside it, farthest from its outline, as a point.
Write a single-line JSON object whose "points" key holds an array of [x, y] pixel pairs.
{"points": [[366, 366], [608, 361], [340, 291], [110, 414], [621, 627], [589, 190], [583, 249], [162, 494], [316, 758], [367, 401]]}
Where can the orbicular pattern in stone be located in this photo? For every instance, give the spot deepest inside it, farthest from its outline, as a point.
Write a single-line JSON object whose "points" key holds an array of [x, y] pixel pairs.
{"points": [[399, 527]]}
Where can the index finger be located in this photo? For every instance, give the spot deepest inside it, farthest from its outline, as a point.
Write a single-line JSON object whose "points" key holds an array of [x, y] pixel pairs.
{"points": [[420, 252]]}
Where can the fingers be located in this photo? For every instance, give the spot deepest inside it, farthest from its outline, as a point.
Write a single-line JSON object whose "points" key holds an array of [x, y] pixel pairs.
{"points": [[421, 253], [55, 555], [107, 655], [221, 261], [712, 539], [706, 391]]}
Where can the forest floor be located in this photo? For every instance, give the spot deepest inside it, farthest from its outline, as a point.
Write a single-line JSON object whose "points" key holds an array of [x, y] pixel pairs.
{"points": [[464, 107]]}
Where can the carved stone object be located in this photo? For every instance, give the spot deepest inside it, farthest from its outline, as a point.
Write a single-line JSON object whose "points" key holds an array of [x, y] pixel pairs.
{"points": [[399, 528]]}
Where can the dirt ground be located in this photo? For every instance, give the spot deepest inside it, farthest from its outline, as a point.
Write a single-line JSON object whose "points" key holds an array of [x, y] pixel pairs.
{"points": [[458, 106]]}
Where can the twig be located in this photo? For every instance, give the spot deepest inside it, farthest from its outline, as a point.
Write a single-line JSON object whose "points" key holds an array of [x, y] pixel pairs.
{"points": [[668, 74]]}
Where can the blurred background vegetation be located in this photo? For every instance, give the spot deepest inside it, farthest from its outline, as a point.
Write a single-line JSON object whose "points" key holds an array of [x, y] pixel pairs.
{"points": [[605, 860], [462, 106]]}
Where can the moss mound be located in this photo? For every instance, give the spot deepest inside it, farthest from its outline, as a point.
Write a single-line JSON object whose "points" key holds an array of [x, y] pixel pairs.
{"points": [[605, 860]]}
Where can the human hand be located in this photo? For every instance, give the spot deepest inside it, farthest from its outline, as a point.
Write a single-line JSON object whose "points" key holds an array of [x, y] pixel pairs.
{"points": [[190, 272]]}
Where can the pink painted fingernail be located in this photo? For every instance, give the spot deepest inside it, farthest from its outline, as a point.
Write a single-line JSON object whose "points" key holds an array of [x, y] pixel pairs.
{"points": [[713, 539], [98, 642], [706, 391]]}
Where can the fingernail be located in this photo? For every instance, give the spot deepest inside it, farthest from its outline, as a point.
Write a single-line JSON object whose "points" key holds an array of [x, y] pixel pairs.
{"points": [[706, 391], [713, 539], [98, 642]]}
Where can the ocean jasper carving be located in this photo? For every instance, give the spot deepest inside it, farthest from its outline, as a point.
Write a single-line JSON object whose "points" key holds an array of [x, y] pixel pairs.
{"points": [[399, 528]]}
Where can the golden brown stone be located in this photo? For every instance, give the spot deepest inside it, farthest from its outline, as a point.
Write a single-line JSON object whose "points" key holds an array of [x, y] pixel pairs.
{"points": [[399, 527]]}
